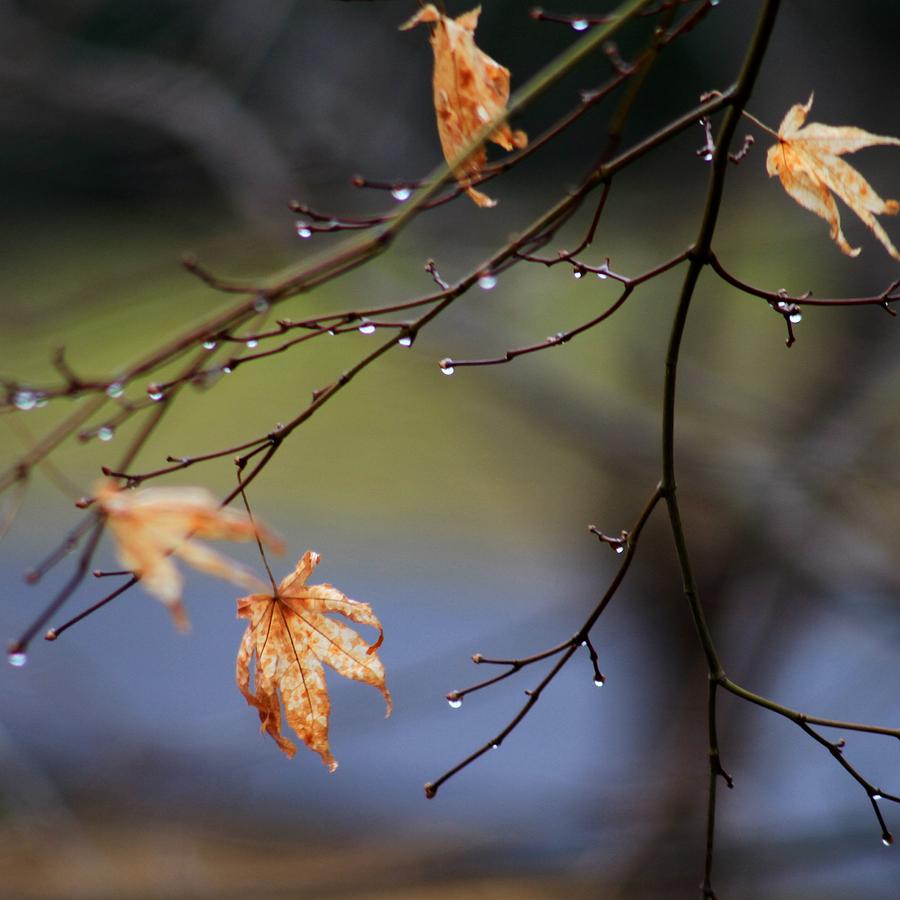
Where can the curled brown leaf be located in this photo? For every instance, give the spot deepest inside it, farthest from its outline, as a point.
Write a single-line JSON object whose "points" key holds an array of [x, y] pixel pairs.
{"points": [[807, 160], [151, 525], [290, 636], [470, 90]]}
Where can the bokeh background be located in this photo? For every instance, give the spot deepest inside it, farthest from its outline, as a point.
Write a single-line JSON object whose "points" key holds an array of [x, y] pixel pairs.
{"points": [[129, 764]]}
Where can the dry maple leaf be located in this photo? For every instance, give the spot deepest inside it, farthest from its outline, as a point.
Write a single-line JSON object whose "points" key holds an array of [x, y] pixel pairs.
{"points": [[806, 159], [291, 637], [470, 90], [151, 525]]}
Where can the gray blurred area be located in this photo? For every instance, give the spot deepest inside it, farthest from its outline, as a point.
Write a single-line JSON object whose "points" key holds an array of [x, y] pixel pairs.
{"points": [[130, 766]]}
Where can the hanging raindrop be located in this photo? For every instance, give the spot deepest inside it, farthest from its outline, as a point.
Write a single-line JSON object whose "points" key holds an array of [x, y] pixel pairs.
{"points": [[487, 282], [115, 390], [446, 367], [599, 682], [620, 548], [17, 659], [25, 400], [105, 433], [303, 230], [209, 345], [367, 328], [796, 318], [579, 25], [454, 701], [405, 341], [401, 193], [155, 392], [260, 304], [252, 343]]}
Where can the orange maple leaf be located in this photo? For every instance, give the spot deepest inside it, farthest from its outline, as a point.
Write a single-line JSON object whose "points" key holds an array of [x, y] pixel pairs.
{"points": [[470, 90], [291, 637], [806, 159], [151, 525]]}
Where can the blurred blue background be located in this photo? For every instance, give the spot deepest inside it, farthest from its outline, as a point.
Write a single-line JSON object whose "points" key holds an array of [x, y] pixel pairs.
{"points": [[458, 507]]}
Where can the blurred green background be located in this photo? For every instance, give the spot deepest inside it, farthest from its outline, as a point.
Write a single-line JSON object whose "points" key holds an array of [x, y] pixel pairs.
{"points": [[130, 765]]}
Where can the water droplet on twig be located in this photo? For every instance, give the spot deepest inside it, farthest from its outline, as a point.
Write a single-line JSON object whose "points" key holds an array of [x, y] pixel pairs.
{"points": [[303, 230], [115, 390], [17, 659], [580, 25], [401, 193], [487, 282], [25, 400], [105, 433]]}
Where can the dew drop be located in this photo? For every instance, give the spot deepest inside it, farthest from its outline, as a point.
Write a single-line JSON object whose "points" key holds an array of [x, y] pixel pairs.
{"points": [[713, 2], [303, 230], [495, 746], [707, 157], [876, 796], [17, 659], [796, 318], [599, 682], [25, 400], [579, 25], [584, 643], [105, 433], [887, 840], [446, 368], [155, 392], [227, 370], [487, 282], [367, 328], [115, 390], [209, 345], [620, 548], [602, 275], [578, 274], [405, 341], [454, 702], [251, 344], [332, 332], [401, 193], [260, 304]]}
